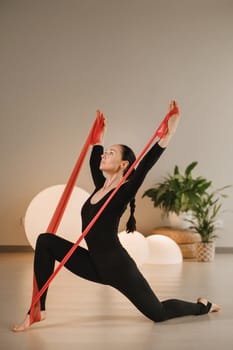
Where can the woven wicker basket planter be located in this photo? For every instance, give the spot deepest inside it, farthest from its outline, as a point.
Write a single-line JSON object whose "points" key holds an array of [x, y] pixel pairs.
{"points": [[189, 250], [205, 251], [187, 240]]}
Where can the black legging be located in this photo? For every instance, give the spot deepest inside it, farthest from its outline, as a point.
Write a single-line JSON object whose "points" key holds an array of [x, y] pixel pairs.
{"points": [[114, 268]]}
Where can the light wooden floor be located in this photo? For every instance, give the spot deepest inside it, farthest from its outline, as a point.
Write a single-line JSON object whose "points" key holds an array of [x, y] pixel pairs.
{"points": [[84, 315]]}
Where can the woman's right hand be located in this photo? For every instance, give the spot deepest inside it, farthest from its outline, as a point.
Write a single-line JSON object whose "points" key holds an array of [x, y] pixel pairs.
{"points": [[99, 129]]}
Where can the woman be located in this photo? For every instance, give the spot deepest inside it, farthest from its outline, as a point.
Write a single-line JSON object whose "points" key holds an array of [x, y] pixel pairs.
{"points": [[106, 261]]}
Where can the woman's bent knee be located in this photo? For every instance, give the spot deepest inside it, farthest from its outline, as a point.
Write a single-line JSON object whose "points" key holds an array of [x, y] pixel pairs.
{"points": [[43, 239]]}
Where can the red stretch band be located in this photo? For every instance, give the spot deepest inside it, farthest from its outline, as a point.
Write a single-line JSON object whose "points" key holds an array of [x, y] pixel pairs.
{"points": [[162, 129], [93, 137], [160, 132]]}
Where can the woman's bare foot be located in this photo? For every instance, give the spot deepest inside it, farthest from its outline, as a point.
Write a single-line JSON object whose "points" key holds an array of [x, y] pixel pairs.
{"points": [[213, 308], [25, 324]]}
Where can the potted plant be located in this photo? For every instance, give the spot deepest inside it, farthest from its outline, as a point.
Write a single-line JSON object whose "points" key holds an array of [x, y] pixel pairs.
{"points": [[178, 193], [204, 221]]}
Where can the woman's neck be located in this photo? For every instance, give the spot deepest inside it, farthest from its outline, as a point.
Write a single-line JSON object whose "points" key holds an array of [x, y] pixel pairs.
{"points": [[112, 180]]}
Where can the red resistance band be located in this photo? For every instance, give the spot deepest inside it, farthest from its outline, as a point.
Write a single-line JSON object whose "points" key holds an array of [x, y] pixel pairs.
{"points": [[93, 138]]}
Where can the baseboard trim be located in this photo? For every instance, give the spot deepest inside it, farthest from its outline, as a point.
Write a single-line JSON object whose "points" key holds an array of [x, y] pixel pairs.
{"points": [[224, 250], [15, 249], [29, 249]]}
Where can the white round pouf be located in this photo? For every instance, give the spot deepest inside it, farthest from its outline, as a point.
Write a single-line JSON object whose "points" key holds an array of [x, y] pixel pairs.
{"points": [[41, 210], [163, 250], [136, 245]]}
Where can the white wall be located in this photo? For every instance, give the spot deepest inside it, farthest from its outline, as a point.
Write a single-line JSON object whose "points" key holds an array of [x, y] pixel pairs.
{"points": [[62, 60]]}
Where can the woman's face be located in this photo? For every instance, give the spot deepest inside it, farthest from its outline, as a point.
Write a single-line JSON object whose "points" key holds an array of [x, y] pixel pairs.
{"points": [[111, 161]]}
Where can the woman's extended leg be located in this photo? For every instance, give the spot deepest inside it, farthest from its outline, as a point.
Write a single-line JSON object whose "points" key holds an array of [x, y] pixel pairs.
{"points": [[51, 248], [134, 286]]}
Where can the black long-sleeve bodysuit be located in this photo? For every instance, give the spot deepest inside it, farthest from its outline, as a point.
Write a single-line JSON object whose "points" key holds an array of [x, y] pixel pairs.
{"points": [[106, 261]]}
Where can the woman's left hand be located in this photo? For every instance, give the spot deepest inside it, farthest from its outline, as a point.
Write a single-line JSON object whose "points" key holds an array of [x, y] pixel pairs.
{"points": [[174, 119], [173, 122]]}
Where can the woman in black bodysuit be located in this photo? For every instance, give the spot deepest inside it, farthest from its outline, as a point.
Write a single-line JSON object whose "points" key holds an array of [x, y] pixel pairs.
{"points": [[106, 261]]}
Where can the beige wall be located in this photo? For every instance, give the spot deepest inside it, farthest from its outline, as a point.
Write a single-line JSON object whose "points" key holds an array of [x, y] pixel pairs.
{"points": [[62, 60]]}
